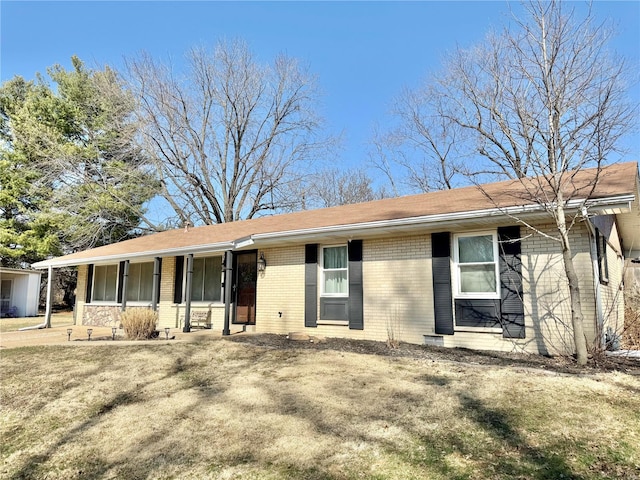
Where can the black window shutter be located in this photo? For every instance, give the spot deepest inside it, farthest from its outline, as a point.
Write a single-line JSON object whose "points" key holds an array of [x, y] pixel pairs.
{"points": [[177, 283], [441, 273], [512, 307], [311, 285], [159, 279], [89, 283], [120, 281], [356, 296]]}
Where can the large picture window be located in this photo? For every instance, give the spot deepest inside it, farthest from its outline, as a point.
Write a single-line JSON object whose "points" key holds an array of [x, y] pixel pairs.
{"points": [[105, 280], [206, 283], [476, 265], [335, 271], [140, 282]]}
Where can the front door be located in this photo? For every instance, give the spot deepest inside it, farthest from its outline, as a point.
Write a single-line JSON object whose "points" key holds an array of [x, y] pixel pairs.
{"points": [[245, 278]]}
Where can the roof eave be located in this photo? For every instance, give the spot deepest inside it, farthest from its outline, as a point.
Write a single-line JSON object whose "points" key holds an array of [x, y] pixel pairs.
{"points": [[608, 205], [212, 247]]}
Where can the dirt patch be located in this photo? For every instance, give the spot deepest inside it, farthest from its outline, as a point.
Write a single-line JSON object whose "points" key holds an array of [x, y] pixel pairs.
{"points": [[441, 354]]}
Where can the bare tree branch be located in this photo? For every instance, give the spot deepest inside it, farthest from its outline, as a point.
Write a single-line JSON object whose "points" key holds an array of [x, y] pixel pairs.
{"points": [[231, 135]]}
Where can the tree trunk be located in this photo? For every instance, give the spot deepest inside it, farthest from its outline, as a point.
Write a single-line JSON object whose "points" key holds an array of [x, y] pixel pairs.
{"points": [[577, 319]]}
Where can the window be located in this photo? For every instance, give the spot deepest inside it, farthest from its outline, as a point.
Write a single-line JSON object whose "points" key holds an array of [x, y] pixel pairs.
{"points": [[335, 271], [206, 283], [476, 265], [140, 282], [603, 263], [105, 279]]}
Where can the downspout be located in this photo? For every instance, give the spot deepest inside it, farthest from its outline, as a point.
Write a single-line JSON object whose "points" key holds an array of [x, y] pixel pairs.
{"points": [[187, 313], [596, 276], [228, 285], [47, 315]]}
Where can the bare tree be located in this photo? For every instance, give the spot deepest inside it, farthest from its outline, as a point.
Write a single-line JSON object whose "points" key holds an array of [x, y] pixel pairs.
{"points": [[231, 135], [543, 100], [421, 148], [333, 187]]}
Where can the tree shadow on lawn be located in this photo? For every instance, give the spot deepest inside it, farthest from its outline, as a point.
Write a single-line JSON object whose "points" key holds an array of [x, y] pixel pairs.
{"points": [[506, 455], [191, 374], [528, 461], [31, 466], [37, 465]]}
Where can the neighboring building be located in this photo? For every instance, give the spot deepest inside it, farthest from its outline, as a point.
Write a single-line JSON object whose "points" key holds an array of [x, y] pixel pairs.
{"points": [[452, 268], [19, 292]]}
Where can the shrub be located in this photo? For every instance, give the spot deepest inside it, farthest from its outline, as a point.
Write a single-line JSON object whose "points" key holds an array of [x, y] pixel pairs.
{"points": [[139, 323]]}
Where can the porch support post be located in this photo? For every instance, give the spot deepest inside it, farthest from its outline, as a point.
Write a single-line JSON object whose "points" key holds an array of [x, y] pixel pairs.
{"points": [[47, 315], [187, 313], [125, 279], [156, 280], [228, 286]]}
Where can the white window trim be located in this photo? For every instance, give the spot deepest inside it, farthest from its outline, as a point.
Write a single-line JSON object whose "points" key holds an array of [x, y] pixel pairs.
{"points": [[335, 323], [136, 303], [456, 266], [322, 270], [495, 330], [184, 284]]}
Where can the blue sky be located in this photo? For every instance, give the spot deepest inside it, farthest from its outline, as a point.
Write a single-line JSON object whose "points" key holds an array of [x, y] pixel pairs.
{"points": [[362, 52]]}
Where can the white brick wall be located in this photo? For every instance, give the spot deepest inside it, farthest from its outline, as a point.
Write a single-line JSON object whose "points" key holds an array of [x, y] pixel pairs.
{"points": [[547, 304], [398, 288], [281, 289], [613, 293]]}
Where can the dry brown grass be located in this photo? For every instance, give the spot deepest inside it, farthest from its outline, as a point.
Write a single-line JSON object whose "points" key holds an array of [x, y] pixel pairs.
{"points": [[57, 320], [221, 409]]}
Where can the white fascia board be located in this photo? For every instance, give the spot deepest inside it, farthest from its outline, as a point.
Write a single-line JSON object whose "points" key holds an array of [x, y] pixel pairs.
{"points": [[208, 248], [618, 204], [20, 271]]}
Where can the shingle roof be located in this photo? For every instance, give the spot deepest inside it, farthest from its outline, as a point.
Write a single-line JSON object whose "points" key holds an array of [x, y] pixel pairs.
{"points": [[615, 181]]}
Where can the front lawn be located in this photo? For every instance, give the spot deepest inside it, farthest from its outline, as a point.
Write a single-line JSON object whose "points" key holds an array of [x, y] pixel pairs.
{"points": [[58, 319], [223, 409]]}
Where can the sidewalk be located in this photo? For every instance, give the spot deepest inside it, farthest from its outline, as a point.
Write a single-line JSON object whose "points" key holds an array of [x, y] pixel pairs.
{"points": [[99, 336]]}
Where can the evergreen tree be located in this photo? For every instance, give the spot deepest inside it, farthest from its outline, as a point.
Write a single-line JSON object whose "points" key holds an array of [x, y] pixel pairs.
{"points": [[72, 175]]}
